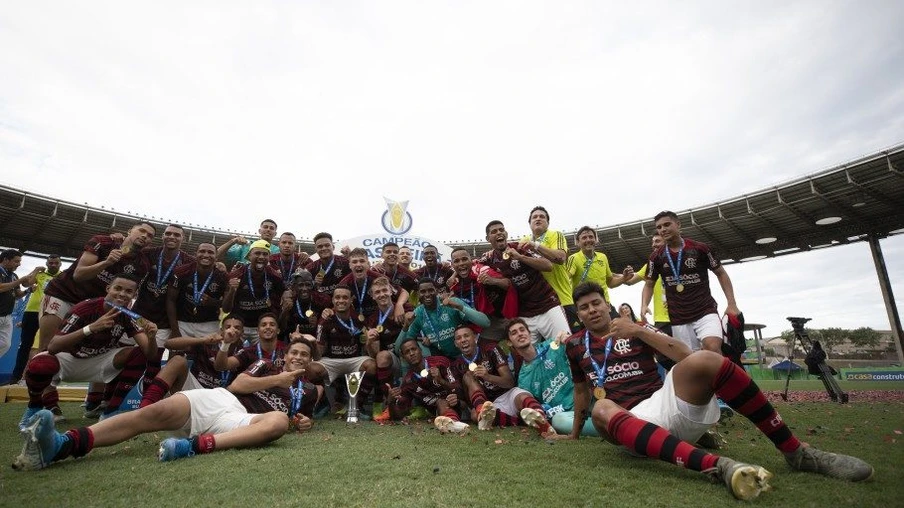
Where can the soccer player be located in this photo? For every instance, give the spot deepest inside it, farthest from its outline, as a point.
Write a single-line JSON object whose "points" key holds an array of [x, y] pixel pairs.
{"points": [[637, 409], [434, 324], [429, 383], [195, 295], [288, 260], [543, 370], [255, 410], [405, 257], [399, 275], [491, 389], [589, 265], [254, 289], [339, 341], [538, 303], [486, 290], [87, 349], [32, 313], [268, 348], [90, 275], [330, 268], [661, 318], [10, 260], [301, 307], [551, 245], [236, 249], [433, 268], [683, 265], [359, 281], [381, 331]]}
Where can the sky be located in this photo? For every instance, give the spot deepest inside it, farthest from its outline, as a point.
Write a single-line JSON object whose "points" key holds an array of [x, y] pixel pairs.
{"points": [[222, 113]]}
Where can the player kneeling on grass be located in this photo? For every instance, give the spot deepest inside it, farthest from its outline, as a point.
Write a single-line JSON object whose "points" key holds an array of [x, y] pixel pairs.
{"points": [[430, 383], [253, 411], [485, 375], [657, 418]]}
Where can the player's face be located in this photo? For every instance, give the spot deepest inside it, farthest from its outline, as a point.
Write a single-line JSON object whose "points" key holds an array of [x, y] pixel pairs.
{"points": [[324, 248], [303, 287], [286, 245], [53, 265], [259, 258], [430, 256], [657, 242], [412, 353], [668, 228], [519, 336], [141, 234], [172, 238], [121, 291], [593, 311], [426, 294], [624, 311], [390, 255], [587, 240], [466, 340], [539, 221], [12, 263], [267, 230], [497, 236], [232, 324], [461, 263], [405, 256], [206, 254], [359, 265], [381, 294], [297, 357], [342, 299], [267, 329]]}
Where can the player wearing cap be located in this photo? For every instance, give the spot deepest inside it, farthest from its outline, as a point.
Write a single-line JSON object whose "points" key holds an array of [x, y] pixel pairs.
{"points": [[237, 248]]}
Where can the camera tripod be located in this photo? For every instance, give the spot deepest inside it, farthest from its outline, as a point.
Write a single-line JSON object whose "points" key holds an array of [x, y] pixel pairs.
{"points": [[815, 361]]}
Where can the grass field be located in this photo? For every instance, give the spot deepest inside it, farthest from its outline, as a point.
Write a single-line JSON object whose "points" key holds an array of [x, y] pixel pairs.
{"points": [[398, 465]]}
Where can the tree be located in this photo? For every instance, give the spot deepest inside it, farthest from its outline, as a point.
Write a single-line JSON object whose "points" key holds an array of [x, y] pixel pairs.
{"points": [[832, 337], [864, 337], [788, 336]]}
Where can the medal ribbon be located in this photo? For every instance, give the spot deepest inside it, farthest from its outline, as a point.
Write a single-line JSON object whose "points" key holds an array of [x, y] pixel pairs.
{"points": [[382, 316], [287, 275], [360, 294], [469, 361], [162, 279], [251, 284], [676, 267], [327, 270], [297, 396], [196, 293], [260, 353], [430, 322], [600, 372], [298, 309], [462, 293], [352, 329], [426, 367], [128, 312]]}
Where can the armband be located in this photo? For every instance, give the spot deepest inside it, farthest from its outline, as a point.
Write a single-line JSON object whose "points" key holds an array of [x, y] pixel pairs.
{"points": [[87, 330]]}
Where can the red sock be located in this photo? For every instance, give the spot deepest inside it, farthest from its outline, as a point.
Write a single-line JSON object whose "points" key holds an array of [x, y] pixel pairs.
{"points": [[92, 399], [653, 441], [155, 392], [77, 443], [203, 443], [736, 389], [506, 420], [125, 381], [451, 414], [478, 398], [532, 403]]}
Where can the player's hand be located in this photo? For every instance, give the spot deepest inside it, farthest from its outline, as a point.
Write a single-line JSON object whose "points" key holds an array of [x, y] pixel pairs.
{"points": [[37, 270], [425, 340], [303, 258], [327, 313], [627, 273], [286, 379], [623, 327], [452, 280], [372, 335], [285, 303], [117, 237], [524, 242], [345, 251], [562, 337], [394, 392], [220, 266], [449, 302], [296, 334], [398, 314], [302, 423], [239, 240], [150, 328], [480, 372], [643, 314], [513, 253], [232, 335], [434, 372], [318, 279], [732, 310], [452, 400], [213, 338], [113, 257], [105, 322], [234, 284]]}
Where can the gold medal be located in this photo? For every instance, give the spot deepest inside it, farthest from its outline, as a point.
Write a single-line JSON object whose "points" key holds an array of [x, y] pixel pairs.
{"points": [[321, 273], [379, 328], [309, 313], [424, 373], [194, 311], [125, 249], [599, 392], [505, 255], [361, 317], [679, 288], [554, 345], [472, 366]]}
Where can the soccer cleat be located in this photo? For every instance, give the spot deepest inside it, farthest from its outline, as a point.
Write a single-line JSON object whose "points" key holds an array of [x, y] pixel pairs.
{"points": [[42, 443], [173, 448], [445, 424], [486, 416], [57, 414], [93, 413], [744, 481], [833, 465], [383, 417], [535, 419], [377, 410], [30, 412], [418, 413]]}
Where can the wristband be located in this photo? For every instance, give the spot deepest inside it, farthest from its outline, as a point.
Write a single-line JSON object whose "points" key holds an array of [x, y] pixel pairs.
{"points": [[224, 347], [87, 330]]}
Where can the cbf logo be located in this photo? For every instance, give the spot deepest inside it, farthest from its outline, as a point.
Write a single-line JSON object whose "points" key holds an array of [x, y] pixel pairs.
{"points": [[396, 219]]}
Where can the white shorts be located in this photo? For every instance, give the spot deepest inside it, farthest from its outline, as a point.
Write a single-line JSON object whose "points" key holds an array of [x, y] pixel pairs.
{"points": [[55, 306], [336, 367], [98, 369], [547, 325], [6, 333], [250, 335], [214, 411], [204, 329], [693, 333], [191, 383], [684, 420], [506, 401]]}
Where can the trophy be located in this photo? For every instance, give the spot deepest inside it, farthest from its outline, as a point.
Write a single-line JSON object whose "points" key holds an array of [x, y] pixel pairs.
{"points": [[353, 381]]}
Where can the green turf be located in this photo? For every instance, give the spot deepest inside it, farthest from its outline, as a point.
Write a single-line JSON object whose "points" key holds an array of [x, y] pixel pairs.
{"points": [[370, 465]]}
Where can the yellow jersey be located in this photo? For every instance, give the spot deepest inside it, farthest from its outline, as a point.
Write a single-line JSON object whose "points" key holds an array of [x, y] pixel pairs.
{"points": [[558, 278]]}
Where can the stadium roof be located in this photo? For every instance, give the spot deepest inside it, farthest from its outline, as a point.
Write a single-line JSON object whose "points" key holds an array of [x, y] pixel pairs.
{"points": [[839, 205]]}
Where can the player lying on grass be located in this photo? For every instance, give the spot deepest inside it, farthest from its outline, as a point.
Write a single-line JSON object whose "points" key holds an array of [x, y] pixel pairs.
{"points": [[638, 410], [253, 411]]}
